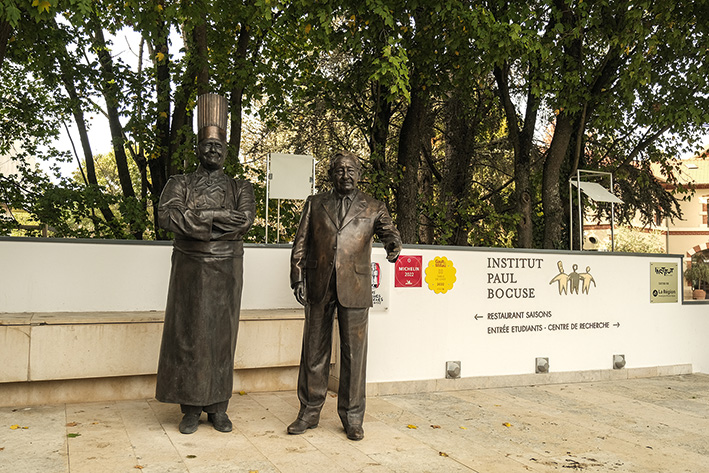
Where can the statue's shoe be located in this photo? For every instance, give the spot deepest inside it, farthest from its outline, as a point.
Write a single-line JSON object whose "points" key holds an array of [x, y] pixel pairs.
{"points": [[355, 432], [189, 423], [299, 426], [220, 421]]}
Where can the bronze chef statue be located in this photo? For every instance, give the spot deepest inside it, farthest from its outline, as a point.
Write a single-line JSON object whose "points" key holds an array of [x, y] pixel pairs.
{"points": [[331, 269], [209, 213]]}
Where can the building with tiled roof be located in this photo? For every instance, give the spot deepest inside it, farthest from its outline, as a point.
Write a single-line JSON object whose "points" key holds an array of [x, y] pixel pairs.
{"points": [[689, 236]]}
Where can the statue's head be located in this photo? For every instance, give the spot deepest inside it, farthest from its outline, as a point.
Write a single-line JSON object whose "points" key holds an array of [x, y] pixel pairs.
{"points": [[344, 171], [212, 115], [211, 153]]}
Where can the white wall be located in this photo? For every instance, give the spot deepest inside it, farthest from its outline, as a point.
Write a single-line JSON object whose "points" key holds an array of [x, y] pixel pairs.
{"points": [[420, 330], [108, 276]]}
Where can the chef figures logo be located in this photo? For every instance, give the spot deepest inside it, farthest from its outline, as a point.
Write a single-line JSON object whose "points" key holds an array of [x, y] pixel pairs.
{"points": [[574, 281]]}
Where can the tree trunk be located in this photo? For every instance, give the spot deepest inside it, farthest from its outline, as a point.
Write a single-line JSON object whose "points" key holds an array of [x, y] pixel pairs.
{"points": [[378, 136], [408, 162], [523, 146], [551, 195], [427, 225], [181, 127], [236, 101], [162, 164], [110, 91], [559, 149], [138, 152], [5, 30], [455, 184], [85, 143]]}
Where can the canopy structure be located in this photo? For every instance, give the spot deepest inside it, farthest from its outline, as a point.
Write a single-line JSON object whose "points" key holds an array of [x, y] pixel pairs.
{"points": [[595, 192]]}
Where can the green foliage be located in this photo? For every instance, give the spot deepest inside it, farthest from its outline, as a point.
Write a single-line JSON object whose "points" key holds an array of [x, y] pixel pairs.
{"points": [[622, 85], [696, 274], [633, 240]]}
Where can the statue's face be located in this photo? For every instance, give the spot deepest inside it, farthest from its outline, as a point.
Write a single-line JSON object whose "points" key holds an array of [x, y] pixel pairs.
{"points": [[344, 176], [210, 152]]}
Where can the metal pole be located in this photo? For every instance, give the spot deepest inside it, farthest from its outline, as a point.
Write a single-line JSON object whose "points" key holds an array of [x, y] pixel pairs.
{"points": [[578, 193], [571, 215], [268, 182], [612, 219], [278, 223]]}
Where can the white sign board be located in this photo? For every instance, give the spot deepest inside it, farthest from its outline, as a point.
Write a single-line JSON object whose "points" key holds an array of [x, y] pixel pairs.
{"points": [[381, 282], [291, 176]]}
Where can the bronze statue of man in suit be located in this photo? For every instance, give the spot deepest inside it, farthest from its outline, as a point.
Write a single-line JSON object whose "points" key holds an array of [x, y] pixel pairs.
{"points": [[331, 269], [209, 213]]}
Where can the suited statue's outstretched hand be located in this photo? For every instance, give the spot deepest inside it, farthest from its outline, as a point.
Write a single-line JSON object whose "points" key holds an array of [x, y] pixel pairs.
{"points": [[393, 251]]}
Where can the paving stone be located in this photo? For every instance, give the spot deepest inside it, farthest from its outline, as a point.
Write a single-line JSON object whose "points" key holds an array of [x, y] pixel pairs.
{"points": [[653, 425], [33, 439]]}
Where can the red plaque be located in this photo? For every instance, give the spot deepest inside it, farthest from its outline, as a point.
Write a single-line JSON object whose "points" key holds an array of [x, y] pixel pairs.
{"points": [[408, 271]]}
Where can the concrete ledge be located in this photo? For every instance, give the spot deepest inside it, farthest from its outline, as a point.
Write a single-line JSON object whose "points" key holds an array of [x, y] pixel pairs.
{"points": [[63, 357], [503, 381], [72, 345], [153, 316], [285, 379], [130, 387]]}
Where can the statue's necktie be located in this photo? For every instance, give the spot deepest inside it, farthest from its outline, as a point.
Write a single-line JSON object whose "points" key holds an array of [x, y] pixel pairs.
{"points": [[344, 207]]}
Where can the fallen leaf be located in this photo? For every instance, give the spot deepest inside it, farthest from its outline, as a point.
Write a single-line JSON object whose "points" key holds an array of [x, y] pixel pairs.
{"points": [[435, 426], [507, 424], [72, 424], [14, 427], [253, 471], [463, 428], [138, 467], [443, 454], [191, 456], [411, 426], [2, 448], [242, 393], [73, 436]]}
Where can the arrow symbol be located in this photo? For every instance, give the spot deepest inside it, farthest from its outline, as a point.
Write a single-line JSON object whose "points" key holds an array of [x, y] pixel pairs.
{"points": [[478, 316], [617, 324]]}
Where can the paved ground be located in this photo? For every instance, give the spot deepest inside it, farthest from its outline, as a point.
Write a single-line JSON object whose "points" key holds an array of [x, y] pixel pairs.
{"points": [[640, 425]]}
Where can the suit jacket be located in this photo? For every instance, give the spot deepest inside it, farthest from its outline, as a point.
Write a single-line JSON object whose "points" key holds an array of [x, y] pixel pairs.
{"points": [[322, 246]]}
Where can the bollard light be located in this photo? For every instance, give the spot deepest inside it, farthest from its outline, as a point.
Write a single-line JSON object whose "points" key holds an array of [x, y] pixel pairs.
{"points": [[452, 369], [618, 362], [541, 365]]}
